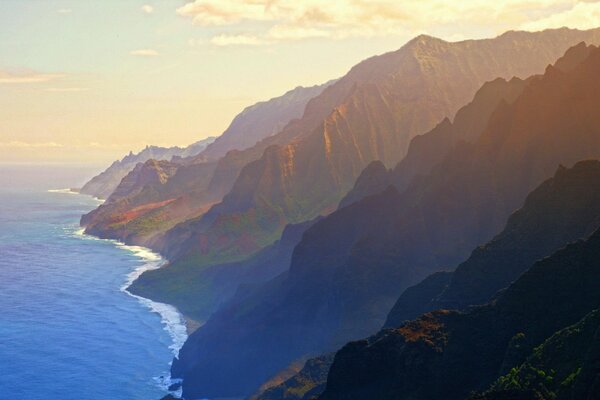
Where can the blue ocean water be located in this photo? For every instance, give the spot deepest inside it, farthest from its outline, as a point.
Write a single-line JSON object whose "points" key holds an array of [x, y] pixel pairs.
{"points": [[68, 330]]}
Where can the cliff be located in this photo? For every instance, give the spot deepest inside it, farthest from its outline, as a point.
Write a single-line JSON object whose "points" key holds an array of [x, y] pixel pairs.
{"points": [[349, 268]]}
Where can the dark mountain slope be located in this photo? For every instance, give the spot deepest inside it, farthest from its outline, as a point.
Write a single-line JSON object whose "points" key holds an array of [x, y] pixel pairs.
{"points": [[447, 354], [561, 210], [349, 268], [566, 366]]}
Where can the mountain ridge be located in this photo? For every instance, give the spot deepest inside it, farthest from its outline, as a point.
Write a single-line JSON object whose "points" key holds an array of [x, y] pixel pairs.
{"points": [[330, 296]]}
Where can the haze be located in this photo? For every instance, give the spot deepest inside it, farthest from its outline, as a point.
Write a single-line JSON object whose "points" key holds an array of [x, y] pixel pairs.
{"points": [[86, 81]]}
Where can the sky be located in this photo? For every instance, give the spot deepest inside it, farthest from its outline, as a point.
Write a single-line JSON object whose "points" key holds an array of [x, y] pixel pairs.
{"points": [[87, 81]]}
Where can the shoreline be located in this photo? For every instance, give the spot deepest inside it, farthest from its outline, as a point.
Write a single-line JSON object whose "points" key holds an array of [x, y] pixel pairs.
{"points": [[174, 323]]}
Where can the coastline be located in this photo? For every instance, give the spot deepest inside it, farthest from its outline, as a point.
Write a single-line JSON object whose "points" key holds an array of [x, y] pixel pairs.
{"points": [[172, 320], [174, 323]]}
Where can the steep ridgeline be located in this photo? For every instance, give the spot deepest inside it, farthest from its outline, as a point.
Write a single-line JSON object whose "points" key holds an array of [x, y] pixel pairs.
{"points": [[262, 120], [350, 267], [428, 150], [306, 384], [448, 354], [141, 211], [377, 108], [564, 367], [563, 209], [150, 200], [103, 184]]}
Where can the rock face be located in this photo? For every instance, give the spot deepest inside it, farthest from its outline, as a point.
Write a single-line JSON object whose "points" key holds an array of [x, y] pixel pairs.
{"points": [[428, 150], [372, 113], [105, 183], [350, 268], [304, 385], [561, 210], [564, 367], [447, 354], [141, 211], [262, 120]]}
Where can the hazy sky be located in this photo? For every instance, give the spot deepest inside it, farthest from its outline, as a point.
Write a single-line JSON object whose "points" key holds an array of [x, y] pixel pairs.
{"points": [[86, 81]]}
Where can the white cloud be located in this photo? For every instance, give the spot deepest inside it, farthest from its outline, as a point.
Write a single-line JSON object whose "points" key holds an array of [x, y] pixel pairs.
{"points": [[64, 11], [145, 53], [254, 22], [27, 77], [147, 8]]}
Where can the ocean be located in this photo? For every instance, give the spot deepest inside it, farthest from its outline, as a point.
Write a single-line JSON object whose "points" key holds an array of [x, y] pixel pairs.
{"points": [[68, 328]]}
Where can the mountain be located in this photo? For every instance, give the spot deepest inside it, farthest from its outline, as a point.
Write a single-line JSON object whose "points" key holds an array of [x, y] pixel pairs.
{"points": [[429, 149], [216, 284], [561, 210], [349, 268], [103, 184], [375, 113], [564, 208], [426, 151], [447, 354], [371, 113], [564, 367], [308, 382], [262, 120], [141, 211]]}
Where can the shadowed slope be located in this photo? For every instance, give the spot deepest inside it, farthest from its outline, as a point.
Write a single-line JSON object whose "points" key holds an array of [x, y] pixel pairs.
{"points": [[447, 354], [350, 267]]}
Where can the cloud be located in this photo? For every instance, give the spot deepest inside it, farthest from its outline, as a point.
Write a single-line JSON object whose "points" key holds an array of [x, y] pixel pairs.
{"points": [[255, 22], [145, 53], [584, 15], [27, 77], [20, 144], [64, 11], [147, 8]]}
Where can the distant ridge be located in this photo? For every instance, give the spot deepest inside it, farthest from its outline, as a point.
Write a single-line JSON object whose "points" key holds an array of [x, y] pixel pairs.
{"points": [[104, 184]]}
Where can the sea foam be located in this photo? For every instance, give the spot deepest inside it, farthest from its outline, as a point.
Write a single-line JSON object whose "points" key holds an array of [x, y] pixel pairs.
{"points": [[71, 191], [174, 323]]}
